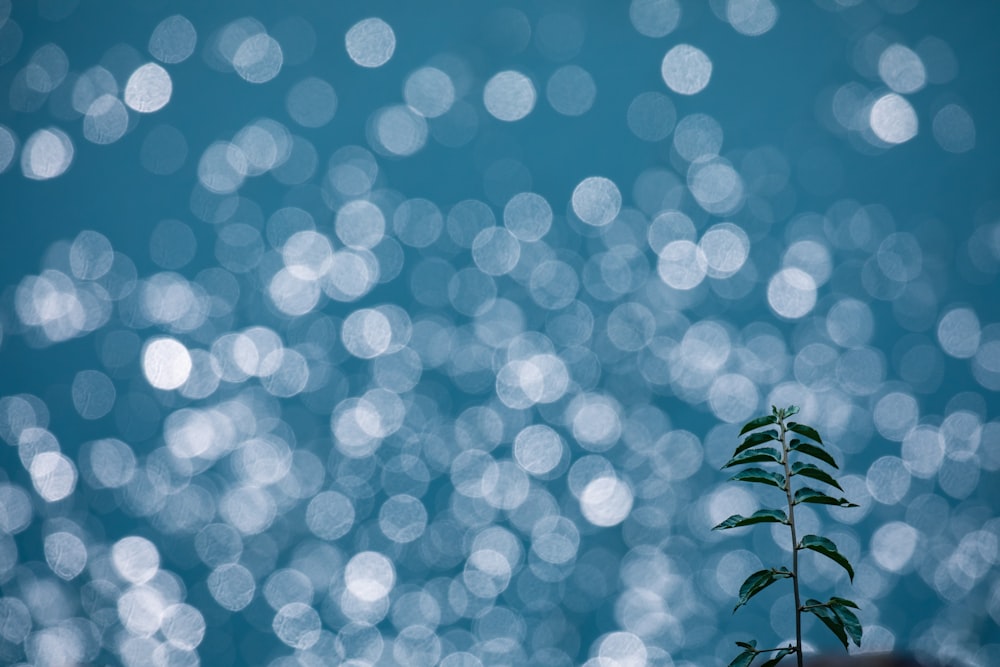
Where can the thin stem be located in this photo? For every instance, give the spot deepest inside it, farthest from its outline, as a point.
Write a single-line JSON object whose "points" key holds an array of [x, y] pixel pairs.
{"points": [[772, 650], [795, 542]]}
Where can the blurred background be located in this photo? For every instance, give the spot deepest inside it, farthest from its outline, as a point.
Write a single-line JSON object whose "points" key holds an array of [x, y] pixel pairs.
{"points": [[378, 333]]}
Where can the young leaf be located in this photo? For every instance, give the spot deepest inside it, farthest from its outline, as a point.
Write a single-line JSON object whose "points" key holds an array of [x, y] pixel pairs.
{"points": [[826, 547], [829, 618], [758, 422], [755, 439], [760, 516], [807, 495], [808, 449], [791, 410], [757, 582], [815, 472], [807, 431], [851, 623], [843, 602], [778, 656], [759, 455], [760, 476], [744, 659]]}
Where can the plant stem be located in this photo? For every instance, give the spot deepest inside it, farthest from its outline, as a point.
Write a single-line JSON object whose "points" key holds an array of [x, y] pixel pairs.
{"points": [[795, 543]]}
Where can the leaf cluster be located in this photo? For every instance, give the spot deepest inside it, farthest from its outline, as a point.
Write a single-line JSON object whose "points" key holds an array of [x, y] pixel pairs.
{"points": [[764, 448]]}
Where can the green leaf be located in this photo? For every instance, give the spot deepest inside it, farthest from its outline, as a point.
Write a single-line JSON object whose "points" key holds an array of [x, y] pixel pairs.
{"points": [[760, 516], [757, 582], [843, 602], [807, 495], [743, 659], [755, 439], [830, 619], [759, 455], [757, 423], [807, 431], [752, 644], [850, 622], [814, 451], [778, 656], [815, 472], [791, 410], [822, 545], [759, 476]]}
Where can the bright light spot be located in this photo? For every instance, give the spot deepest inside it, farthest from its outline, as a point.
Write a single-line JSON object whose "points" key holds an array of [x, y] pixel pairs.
{"points": [[812, 257], [538, 449], [65, 554], [8, 146], [682, 265], [902, 69], [733, 398], [307, 255], [402, 518], [895, 415], [698, 137], [751, 17], [105, 121], [400, 131], [330, 515], [173, 40], [686, 69], [791, 293], [366, 333], [429, 91], [148, 89], [298, 625], [893, 119], [91, 255], [135, 559], [528, 216], [923, 451], [894, 544], [111, 463], [606, 501], [959, 333], [232, 586], [369, 576], [623, 649], [183, 626], [888, 480], [509, 96], [46, 154], [360, 224], [726, 248], [596, 200], [496, 251], [371, 42], [258, 59], [654, 18], [222, 168], [166, 363], [555, 539], [595, 421], [717, 187], [93, 394], [53, 476]]}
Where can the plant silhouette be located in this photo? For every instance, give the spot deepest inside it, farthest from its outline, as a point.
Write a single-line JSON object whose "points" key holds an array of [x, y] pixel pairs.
{"points": [[802, 442]]}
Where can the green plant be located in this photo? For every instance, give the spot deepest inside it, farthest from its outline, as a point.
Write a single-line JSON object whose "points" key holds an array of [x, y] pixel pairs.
{"points": [[804, 442]]}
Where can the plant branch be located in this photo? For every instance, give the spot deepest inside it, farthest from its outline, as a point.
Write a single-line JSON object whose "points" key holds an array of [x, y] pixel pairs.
{"points": [[795, 543]]}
